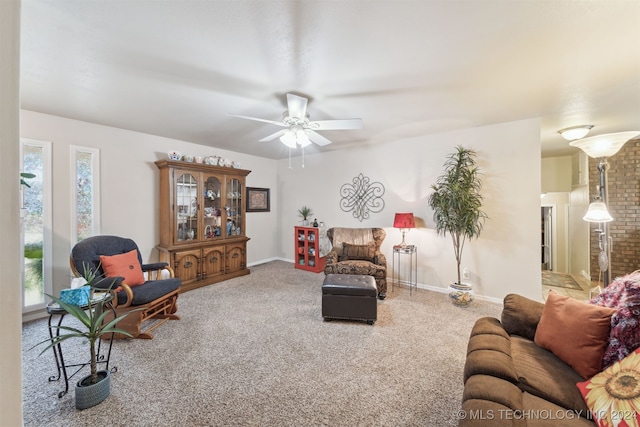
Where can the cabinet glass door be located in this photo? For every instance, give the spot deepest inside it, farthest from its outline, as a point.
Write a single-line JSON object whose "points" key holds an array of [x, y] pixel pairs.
{"points": [[212, 208], [187, 207], [234, 208]]}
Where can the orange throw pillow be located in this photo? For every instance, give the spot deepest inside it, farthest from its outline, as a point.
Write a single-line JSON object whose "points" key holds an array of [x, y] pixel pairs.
{"points": [[124, 265], [575, 331]]}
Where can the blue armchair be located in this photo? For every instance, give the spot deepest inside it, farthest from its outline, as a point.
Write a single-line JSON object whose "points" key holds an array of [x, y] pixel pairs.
{"points": [[155, 299]]}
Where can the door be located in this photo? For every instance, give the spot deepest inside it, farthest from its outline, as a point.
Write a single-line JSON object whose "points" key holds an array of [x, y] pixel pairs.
{"points": [[186, 191], [235, 257], [234, 208], [212, 261], [186, 265], [212, 214]]}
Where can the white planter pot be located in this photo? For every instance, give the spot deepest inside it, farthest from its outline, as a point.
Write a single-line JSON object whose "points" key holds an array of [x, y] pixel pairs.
{"points": [[461, 294]]}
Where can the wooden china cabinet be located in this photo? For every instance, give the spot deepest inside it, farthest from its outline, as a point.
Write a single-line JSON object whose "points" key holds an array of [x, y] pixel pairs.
{"points": [[202, 222]]}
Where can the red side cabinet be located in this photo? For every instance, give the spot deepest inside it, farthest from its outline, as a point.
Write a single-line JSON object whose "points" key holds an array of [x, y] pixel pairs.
{"points": [[307, 249]]}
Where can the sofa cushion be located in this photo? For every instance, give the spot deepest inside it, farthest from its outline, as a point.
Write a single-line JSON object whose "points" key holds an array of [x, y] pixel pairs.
{"points": [[150, 291], [575, 331], [543, 374], [488, 325], [489, 352], [358, 252], [520, 315], [356, 236], [613, 395], [541, 413], [486, 387], [357, 267]]}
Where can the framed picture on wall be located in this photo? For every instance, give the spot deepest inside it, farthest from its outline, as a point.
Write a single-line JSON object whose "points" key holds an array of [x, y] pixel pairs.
{"points": [[258, 199]]}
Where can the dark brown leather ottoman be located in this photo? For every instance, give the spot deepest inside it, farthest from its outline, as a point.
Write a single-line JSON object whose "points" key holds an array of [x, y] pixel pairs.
{"points": [[349, 296]]}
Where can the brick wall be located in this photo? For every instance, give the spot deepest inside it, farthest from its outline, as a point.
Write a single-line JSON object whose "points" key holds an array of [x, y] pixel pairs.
{"points": [[624, 206]]}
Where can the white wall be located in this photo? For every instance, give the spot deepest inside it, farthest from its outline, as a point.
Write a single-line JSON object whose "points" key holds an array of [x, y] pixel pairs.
{"points": [[504, 259], [579, 230], [556, 174], [10, 302], [130, 185]]}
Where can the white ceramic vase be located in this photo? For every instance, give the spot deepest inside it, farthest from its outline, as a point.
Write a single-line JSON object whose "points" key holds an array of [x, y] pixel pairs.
{"points": [[460, 294]]}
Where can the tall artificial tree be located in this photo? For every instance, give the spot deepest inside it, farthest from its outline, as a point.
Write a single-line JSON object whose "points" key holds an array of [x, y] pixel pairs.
{"points": [[457, 200]]}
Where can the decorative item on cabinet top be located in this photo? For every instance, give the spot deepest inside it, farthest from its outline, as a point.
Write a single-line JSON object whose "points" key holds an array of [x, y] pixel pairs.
{"points": [[235, 166], [209, 160]]}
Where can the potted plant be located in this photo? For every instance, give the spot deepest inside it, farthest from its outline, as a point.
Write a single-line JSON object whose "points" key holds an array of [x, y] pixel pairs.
{"points": [[305, 212], [457, 209], [95, 387]]}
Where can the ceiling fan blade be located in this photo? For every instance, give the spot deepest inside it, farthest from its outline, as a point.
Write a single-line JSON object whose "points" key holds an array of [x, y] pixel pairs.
{"points": [[273, 122], [297, 106], [317, 138], [274, 135], [336, 124]]}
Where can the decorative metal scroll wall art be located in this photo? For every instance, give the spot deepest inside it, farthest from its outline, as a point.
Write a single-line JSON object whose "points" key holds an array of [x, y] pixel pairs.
{"points": [[360, 197]]}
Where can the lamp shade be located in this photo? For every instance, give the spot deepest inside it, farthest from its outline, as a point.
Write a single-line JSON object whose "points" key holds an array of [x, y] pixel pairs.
{"points": [[404, 220], [604, 145], [597, 212]]}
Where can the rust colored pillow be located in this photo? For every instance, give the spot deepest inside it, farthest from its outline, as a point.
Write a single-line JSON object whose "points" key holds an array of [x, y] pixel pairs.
{"points": [[575, 331], [124, 265], [358, 252]]}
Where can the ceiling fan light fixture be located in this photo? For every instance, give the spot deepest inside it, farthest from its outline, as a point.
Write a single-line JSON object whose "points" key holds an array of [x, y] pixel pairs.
{"points": [[289, 139], [575, 132], [302, 138], [298, 129]]}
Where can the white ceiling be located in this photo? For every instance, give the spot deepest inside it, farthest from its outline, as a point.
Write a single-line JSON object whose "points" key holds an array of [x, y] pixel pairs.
{"points": [[175, 68]]}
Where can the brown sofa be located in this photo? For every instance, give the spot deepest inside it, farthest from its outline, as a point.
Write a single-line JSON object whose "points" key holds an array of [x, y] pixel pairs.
{"points": [[510, 381]]}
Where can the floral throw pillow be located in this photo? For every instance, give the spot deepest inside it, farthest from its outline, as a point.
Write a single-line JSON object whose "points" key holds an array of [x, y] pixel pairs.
{"points": [[613, 395]]}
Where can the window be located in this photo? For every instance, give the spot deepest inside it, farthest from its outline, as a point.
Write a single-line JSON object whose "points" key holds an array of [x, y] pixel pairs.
{"points": [[85, 193], [36, 226]]}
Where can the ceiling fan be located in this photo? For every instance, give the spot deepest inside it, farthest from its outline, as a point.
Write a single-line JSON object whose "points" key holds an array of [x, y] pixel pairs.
{"points": [[299, 129]]}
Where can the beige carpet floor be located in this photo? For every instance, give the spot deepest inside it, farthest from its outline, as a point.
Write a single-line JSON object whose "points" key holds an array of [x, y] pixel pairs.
{"points": [[254, 351]]}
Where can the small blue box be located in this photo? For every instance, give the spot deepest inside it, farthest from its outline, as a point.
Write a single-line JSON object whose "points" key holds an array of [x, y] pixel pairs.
{"points": [[78, 296]]}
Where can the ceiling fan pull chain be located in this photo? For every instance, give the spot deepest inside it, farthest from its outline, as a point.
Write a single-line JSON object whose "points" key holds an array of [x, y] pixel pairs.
{"points": [[289, 157], [302, 156]]}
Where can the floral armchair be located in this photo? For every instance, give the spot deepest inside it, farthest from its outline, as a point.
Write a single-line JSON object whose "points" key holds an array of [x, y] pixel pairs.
{"points": [[357, 251]]}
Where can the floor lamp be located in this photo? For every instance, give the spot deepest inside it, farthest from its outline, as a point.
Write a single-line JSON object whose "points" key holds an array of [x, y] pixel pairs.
{"points": [[601, 147]]}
